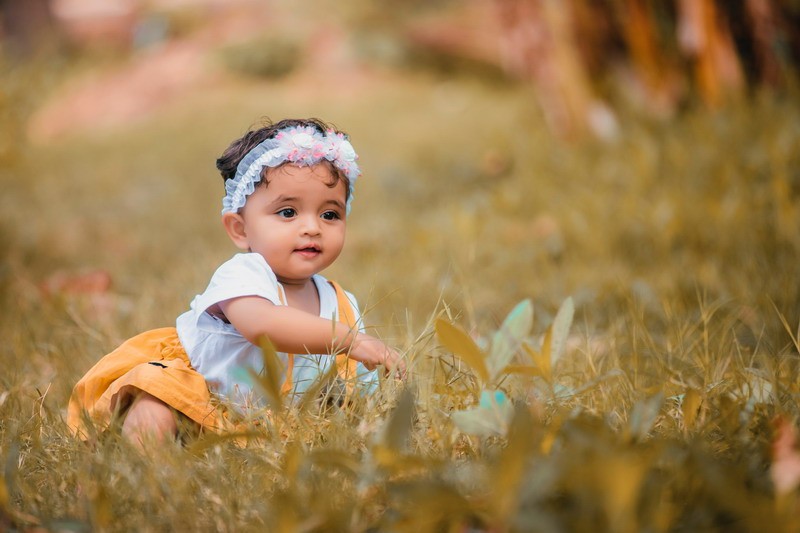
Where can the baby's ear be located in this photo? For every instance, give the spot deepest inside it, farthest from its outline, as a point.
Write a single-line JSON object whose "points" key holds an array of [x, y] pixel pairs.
{"points": [[234, 226]]}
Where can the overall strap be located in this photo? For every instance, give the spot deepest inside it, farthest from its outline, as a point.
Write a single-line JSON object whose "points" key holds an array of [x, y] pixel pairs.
{"points": [[286, 387], [346, 368]]}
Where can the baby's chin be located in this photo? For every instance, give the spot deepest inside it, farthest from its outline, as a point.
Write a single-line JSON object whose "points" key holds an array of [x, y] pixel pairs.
{"points": [[295, 278], [300, 272]]}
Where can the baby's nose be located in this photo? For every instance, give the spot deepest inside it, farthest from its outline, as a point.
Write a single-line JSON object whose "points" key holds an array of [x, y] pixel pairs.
{"points": [[310, 225]]}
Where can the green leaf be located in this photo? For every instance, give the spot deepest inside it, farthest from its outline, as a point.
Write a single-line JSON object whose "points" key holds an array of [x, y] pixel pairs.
{"points": [[492, 417], [643, 416], [478, 422], [459, 342], [508, 338], [491, 398], [560, 330]]}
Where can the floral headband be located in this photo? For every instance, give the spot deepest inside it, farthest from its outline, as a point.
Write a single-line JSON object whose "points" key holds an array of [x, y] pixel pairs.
{"points": [[300, 145]]}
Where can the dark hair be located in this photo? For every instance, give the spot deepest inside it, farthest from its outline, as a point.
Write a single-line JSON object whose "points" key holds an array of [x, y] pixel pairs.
{"points": [[230, 158]]}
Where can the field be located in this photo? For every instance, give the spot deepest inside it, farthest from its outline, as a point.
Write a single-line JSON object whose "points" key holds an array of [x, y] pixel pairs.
{"points": [[666, 403]]}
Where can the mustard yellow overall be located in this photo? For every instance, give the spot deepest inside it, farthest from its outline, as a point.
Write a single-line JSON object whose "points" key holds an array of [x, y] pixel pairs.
{"points": [[155, 362]]}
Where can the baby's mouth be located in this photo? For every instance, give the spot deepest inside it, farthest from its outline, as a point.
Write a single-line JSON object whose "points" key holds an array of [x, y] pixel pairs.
{"points": [[311, 249]]}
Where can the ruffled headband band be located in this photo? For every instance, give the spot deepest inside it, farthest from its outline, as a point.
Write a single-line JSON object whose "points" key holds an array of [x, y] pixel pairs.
{"points": [[299, 145]]}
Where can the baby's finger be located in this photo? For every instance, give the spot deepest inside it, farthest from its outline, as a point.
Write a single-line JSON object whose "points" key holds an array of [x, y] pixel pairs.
{"points": [[402, 372], [398, 365]]}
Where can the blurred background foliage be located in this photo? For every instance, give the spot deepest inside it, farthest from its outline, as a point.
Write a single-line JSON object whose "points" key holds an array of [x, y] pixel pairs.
{"points": [[639, 156]]}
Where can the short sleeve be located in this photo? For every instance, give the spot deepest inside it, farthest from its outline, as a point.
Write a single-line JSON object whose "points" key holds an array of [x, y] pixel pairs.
{"points": [[242, 275]]}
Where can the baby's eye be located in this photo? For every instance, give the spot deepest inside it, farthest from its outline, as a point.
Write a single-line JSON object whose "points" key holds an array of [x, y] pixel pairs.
{"points": [[286, 213], [330, 215]]}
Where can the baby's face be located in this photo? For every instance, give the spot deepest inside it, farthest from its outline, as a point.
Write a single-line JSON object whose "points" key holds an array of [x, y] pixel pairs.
{"points": [[296, 222]]}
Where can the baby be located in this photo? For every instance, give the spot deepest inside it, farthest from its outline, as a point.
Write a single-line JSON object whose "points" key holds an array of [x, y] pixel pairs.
{"points": [[288, 187]]}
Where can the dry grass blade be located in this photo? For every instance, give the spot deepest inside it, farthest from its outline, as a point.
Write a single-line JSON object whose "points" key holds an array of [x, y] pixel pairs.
{"points": [[339, 460], [508, 473], [690, 406], [10, 516], [795, 336], [525, 370], [428, 506], [390, 452], [542, 358], [397, 431], [211, 440], [269, 380], [313, 393]]}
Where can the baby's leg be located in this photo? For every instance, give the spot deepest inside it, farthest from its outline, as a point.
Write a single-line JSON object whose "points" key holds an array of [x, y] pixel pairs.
{"points": [[148, 418]]}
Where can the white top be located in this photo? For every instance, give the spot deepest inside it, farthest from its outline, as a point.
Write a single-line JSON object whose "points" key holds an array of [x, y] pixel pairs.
{"points": [[222, 355]]}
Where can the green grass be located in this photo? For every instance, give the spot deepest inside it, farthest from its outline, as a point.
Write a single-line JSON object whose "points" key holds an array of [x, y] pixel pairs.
{"points": [[678, 243]]}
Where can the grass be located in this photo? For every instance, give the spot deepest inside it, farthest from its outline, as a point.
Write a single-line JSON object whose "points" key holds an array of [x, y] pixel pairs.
{"points": [[677, 242]]}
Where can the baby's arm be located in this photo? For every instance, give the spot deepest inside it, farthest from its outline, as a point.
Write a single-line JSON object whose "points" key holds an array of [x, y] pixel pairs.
{"points": [[295, 331]]}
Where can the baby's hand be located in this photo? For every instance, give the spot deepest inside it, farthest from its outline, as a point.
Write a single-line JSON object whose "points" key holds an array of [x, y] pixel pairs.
{"points": [[373, 352]]}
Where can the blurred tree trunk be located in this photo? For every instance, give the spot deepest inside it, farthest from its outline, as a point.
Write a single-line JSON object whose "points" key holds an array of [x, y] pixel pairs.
{"points": [[765, 32], [26, 25], [640, 36], [716, 47], [539, 46], [651, 61], [705, 38]]}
